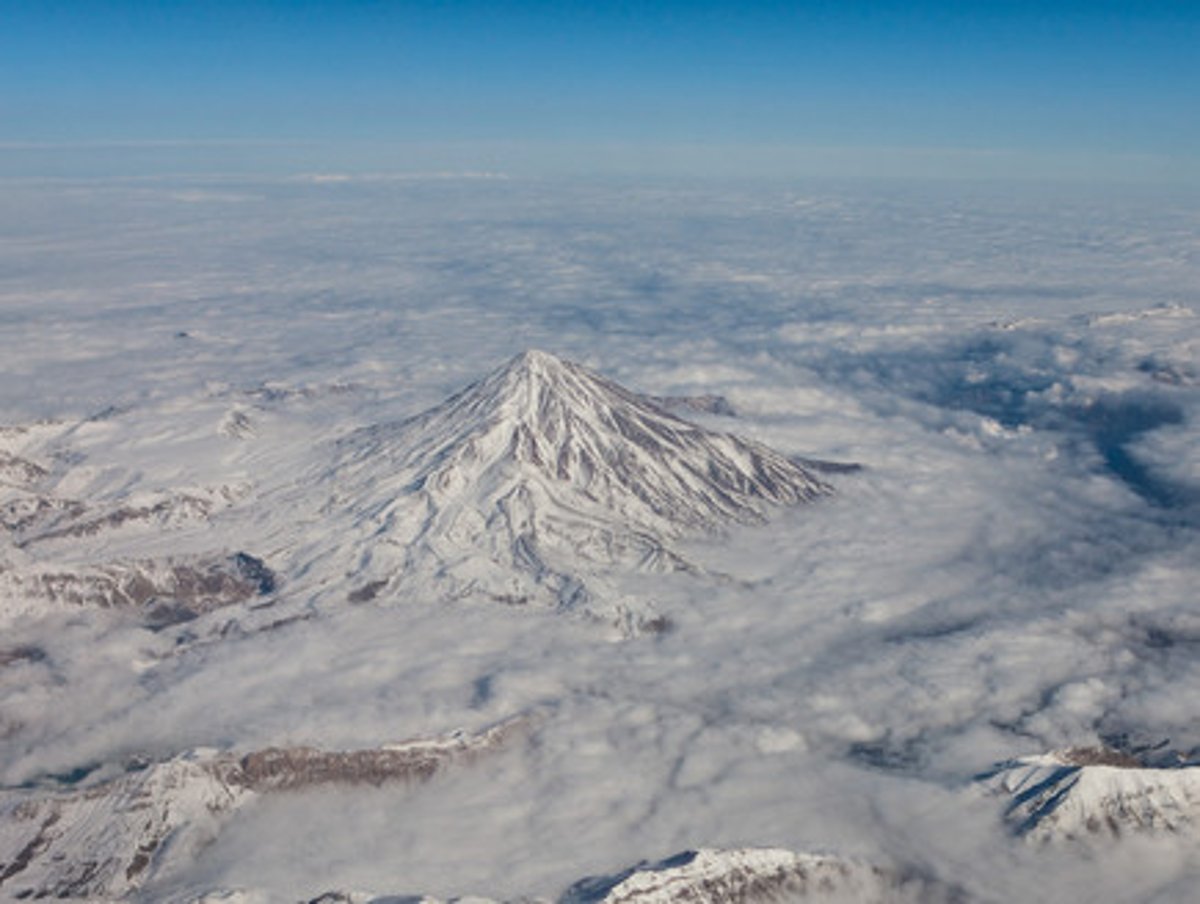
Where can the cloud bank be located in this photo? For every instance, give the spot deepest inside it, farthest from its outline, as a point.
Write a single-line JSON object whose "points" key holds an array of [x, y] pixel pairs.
{"points": [[1013, 570]]}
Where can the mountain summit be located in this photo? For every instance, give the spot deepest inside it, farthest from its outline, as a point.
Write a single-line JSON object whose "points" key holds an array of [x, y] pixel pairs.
{"points": [[542, 418], [524, 483]]}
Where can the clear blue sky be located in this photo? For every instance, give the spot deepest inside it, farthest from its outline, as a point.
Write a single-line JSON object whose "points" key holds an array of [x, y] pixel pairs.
{"points": [[1109, 88]]}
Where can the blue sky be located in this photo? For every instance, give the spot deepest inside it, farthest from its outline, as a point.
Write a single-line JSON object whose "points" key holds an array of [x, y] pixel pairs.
{"points": [[1104, 89]]}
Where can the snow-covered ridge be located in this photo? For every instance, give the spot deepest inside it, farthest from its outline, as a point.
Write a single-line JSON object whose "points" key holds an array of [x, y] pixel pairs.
{"points": [[164, 591], [43, 518], [1089, 792], [519, 484], [708, 876], [746, 875], [109, 839], [62, 549]]}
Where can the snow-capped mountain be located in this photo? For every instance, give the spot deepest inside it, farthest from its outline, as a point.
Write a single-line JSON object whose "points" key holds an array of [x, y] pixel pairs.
{"points": [[543, 483], [1090, 792], [748, 875], [526, 485], [709, 875], [110, 838]]}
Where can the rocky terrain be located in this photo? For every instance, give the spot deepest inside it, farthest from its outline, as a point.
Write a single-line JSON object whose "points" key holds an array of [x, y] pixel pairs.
{"points": [[109, 837], [161, 592]]}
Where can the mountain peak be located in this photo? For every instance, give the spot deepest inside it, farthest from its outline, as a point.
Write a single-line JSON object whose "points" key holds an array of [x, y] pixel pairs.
{"points": [[543, 471], [553, 421], [534, 387], [535, 362], [529, 379]]}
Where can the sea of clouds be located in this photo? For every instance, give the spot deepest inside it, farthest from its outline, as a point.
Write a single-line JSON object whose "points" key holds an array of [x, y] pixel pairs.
{"points": [[1013, 570]]}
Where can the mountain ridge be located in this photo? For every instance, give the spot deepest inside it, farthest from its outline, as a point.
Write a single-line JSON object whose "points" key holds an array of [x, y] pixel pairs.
{"points": [[1089, 793]]}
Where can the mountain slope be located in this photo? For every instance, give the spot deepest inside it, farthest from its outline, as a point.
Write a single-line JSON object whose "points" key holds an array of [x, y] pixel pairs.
{"points": [[111, 838], [1083, 793], [529, 483], [748, 875], [163, 592]]}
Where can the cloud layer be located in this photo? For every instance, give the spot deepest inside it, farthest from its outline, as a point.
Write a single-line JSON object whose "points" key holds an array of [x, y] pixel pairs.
{"points": [[1013, 570]]}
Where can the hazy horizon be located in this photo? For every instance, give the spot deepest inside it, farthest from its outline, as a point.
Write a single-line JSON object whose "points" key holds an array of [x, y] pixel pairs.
{"points": [[1099, 92]]}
